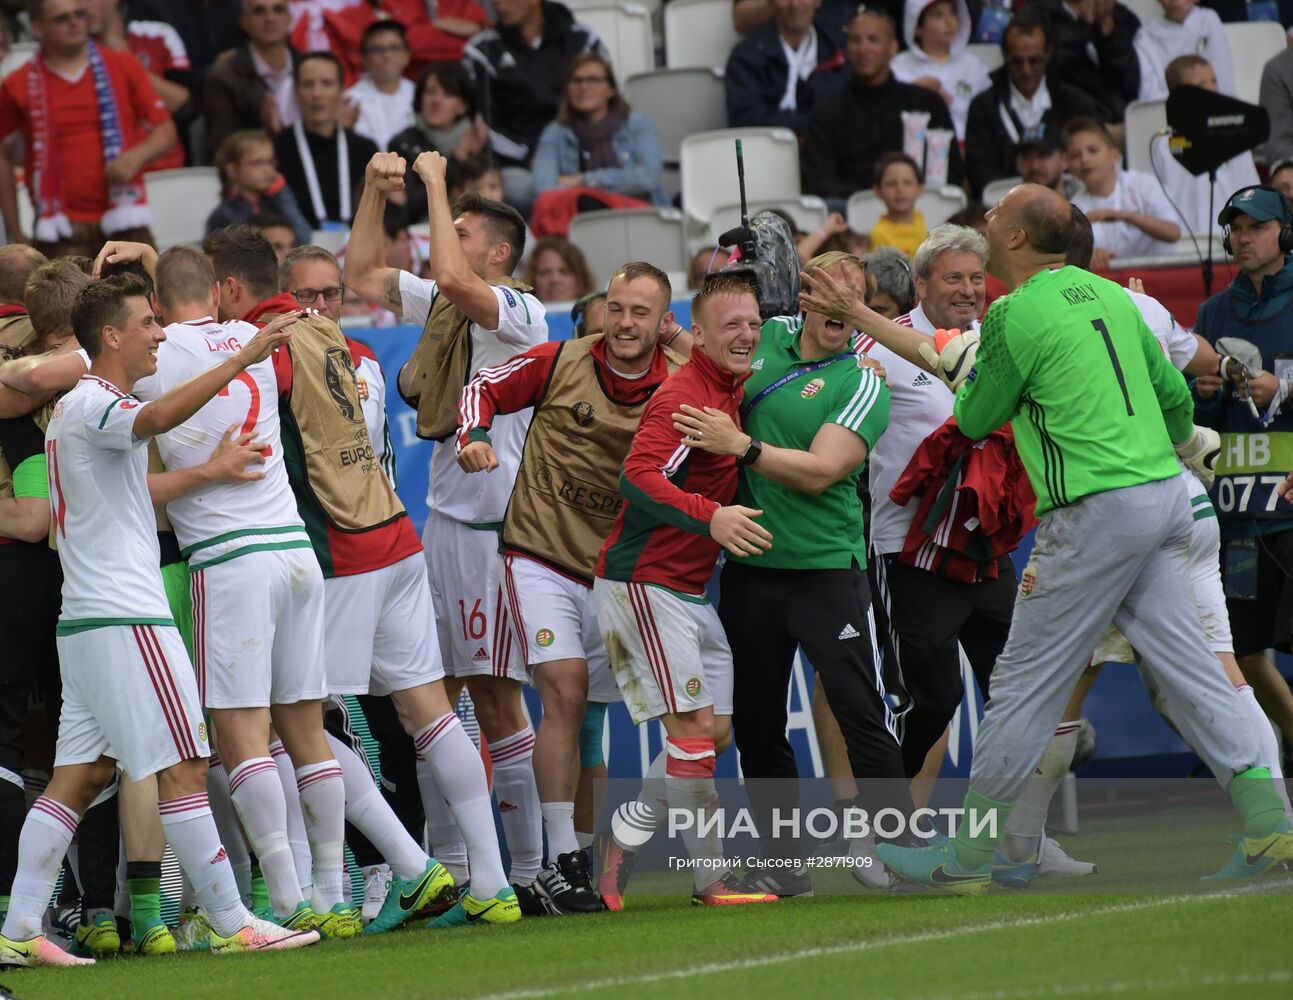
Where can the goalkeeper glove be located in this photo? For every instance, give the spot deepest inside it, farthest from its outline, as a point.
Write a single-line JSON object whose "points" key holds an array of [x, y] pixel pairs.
{"points": [[954, 359], [1199, 453]]}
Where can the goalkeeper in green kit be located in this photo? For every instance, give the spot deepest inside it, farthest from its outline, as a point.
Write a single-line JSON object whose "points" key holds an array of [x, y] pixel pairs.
{"points": [[1099, 417]]}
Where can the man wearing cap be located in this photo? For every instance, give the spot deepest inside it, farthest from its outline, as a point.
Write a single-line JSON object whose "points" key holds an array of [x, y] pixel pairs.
{"points": [[1023, 110], [1255, 418]]}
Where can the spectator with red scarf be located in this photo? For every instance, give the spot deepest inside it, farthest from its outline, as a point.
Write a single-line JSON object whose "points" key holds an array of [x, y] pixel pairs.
{"points": [[91, 122]]}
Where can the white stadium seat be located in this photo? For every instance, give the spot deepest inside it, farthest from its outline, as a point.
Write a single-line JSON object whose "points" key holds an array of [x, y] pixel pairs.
{"points": [[989, 54], [698, 33], [181, 200], [809, 213], [679, 102], [994, 191], [1146, 10], [1252, 45], [612, 238], [625, 30], [709, 168], [936, 205]]}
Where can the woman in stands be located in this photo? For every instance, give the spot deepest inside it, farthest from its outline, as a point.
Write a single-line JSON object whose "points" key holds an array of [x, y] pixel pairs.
{"points": [[444, 119], [597, 141], [558, 271]]}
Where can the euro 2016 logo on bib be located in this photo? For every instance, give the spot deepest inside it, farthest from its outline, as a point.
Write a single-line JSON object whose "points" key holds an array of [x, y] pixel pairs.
{"points": [[813, 388], [544, 637], [692, 687], [338, 374], [583, 413]]}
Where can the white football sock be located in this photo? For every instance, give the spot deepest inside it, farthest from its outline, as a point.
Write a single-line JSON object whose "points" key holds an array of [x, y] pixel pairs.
{"points": [[323, 806], [689, 785], [447, 845], [559, 824], [633, 824], [372, 815], [191, 832], [46, 835], [258, 797], [1025, 825], [447, 752], [1270, 747], [297, 835], [518, 803], [227, 825]]}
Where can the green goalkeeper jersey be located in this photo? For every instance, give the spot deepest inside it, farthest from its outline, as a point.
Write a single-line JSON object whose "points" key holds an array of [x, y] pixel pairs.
{"points": [[1093, 402]]}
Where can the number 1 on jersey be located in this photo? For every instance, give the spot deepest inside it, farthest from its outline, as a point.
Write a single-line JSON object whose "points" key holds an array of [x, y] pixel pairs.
{"points": [[1117, 368], [253, 411]]}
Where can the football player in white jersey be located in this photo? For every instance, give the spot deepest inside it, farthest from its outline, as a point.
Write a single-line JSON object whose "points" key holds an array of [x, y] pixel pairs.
{"points": [[460, 539], [257, 603], [312, 276], [128, 689]]}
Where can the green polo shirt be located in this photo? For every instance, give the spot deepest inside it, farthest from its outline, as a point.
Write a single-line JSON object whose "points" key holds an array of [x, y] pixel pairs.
{"points": [[809, 532]]}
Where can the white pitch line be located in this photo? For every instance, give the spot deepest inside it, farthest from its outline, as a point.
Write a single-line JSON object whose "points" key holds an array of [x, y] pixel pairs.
{"points": [[855, 947], [1120, 986]]}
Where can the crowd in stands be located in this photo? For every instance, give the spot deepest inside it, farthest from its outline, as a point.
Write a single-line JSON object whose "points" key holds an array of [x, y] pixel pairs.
{"points": [[289, 99]]}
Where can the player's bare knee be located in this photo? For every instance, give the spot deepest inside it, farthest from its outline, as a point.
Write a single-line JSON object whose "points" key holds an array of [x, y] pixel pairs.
{"points": [[722, 732], [188, 777]]}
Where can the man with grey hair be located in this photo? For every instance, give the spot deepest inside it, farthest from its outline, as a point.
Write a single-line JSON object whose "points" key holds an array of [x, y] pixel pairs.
{"points": [[895, 291], [927, 612]]}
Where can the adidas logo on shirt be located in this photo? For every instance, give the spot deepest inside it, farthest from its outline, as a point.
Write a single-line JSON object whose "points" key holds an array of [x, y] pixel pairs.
{"points": [[757, 365], [480, 656], [849, 632], [922, 380]]}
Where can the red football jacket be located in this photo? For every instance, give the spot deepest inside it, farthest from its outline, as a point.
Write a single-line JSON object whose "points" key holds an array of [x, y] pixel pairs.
{"points": [[975, 503], [670, 492]]}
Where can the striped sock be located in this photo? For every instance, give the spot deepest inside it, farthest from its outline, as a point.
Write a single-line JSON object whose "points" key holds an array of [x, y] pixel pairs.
{"points": [[258, 798], [518, 803], [446, 752], [44, 840], [323, 807], [297, 835], [191, 832]]}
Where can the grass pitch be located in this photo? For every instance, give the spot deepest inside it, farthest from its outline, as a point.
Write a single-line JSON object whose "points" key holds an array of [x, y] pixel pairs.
{"points": [[1066, 938]]}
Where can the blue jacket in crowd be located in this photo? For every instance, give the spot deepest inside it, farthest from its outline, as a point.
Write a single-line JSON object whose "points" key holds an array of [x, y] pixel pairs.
{"points": [[637, 144]]}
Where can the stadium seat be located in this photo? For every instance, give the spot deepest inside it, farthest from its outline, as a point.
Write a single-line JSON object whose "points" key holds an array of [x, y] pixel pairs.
{"points": [[989, 54], [612, 238], [936, 205], [698, 33], [679, 102], [1144, 119], [331, 240], [18, 54], [1146, 10], [625, 30], [1252, 45], [994, 191], [809, 213], [709, 169], [181, 200]]}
